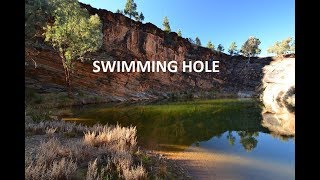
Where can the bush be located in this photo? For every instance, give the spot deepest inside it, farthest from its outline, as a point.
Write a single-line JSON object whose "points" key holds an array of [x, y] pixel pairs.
{"points": [[59, 169], [48, 164], [119, 138], [92, 172], [134, 173], [107, 150], [38, 115], [32, 97]]}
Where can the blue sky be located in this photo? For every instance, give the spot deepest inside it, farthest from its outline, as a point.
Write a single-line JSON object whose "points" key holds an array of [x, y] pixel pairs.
{"points": [[221, 21]]}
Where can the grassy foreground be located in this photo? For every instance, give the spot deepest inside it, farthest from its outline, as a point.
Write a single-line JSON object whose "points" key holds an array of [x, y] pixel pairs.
{"points": [[61, 150]]}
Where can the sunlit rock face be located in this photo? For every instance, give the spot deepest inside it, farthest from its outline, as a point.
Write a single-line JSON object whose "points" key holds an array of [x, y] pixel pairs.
{"points": [[278, 96]]}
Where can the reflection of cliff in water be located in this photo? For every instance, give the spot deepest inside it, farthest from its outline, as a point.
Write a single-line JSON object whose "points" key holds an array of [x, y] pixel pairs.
{"points": [[278, 96], [186, 123]]}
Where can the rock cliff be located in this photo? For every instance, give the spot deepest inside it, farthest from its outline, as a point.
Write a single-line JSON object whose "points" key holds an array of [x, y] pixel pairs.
{"points": [[278, 96], [125, 39]]}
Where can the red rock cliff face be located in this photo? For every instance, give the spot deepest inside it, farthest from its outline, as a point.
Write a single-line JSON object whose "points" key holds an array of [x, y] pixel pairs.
{"points": [[128, 40]]}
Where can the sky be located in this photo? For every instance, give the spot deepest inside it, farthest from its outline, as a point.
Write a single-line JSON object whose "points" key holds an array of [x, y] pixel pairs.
{"points": [[221, 21]]}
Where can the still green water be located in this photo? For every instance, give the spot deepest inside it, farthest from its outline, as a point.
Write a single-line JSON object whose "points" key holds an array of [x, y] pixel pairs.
{"points": [[228, 126]]}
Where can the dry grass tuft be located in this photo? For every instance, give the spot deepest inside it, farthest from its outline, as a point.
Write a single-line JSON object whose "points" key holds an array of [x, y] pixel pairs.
{"points": [[56, 126], [117, 138], [50, 131], [90, 138], [135, 173], [58, 169], [62, 169], [92, 172], [107, 151]]}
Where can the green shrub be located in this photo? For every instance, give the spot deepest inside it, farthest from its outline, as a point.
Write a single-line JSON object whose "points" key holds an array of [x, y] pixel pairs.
{"points": [[38, 115], [32, 97]]}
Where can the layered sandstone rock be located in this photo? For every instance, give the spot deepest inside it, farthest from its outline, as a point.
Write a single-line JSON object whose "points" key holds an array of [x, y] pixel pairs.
{"points": [[278, 96], [125, 39]]}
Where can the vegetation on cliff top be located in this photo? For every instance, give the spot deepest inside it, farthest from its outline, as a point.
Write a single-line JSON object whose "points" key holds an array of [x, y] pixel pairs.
{"points": [[220, 48], [233, 49], [210, 45], [179, 33], [197, 41], [251, 47], [284, 47], [166, 25], [131, 10]]}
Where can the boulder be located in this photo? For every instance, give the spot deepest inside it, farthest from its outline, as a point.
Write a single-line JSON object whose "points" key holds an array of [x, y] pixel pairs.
{"points": [[278, 96]]}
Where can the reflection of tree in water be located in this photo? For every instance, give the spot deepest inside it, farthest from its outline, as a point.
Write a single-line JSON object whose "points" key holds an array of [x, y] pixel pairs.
{"points": [[182, 123], [178, 128], [231, 138], [248, 140]]}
